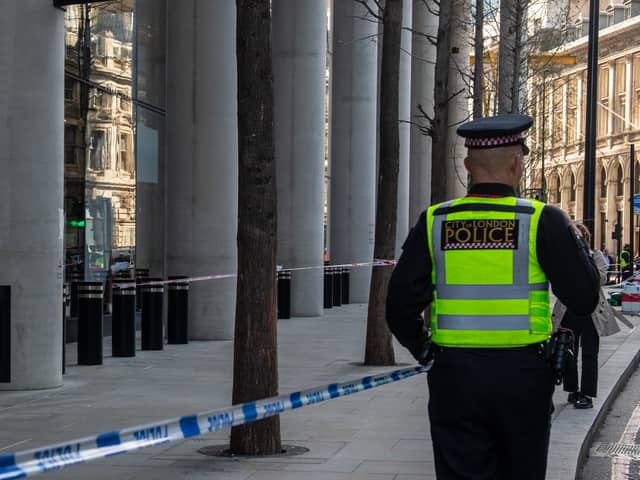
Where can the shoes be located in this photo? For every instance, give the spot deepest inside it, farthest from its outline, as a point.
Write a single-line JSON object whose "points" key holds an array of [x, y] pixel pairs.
{"points": [[583, 401], [573, 396]]}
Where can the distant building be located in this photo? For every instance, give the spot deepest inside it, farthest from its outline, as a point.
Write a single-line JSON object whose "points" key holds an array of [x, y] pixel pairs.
{"points": [[558, 100]]}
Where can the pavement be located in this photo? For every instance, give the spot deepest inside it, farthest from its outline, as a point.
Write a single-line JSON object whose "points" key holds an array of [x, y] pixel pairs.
{"points": [[378, 434]]}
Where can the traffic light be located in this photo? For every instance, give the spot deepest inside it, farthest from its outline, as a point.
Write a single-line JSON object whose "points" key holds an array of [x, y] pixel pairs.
{"points": [[76, 223]]}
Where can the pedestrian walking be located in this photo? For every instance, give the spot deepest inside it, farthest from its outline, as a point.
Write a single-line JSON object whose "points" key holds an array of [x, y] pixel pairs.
{"points": [[587, 330], [483, 263]]}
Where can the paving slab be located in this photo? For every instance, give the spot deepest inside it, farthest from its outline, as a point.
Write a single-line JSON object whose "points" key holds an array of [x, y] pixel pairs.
{"points": [[379, 434]]}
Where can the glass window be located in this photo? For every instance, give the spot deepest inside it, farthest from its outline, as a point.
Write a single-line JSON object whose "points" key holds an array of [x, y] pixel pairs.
{"points": [[620, 176], [572, 188], [603, 97], [603, 183], [99, 151]]}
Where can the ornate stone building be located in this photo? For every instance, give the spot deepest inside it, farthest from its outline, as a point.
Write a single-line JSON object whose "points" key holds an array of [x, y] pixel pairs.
{"points": [[558, 99]]}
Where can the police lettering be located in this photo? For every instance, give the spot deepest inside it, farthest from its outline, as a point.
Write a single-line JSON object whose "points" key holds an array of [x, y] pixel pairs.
{"points": [[479, 234], [273, 408], [56, 458], [218, 422], [314, 397], [350, 388], [152, 433]]}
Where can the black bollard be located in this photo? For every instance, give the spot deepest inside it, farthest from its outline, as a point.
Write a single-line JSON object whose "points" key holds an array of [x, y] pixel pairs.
{"points": [[76, 279], [90, 323], [337, 286], [123, 322], [177, 311], [66, 298], [345, 285], [328, 287], [141, 275], [151, 328], [284, 294]]}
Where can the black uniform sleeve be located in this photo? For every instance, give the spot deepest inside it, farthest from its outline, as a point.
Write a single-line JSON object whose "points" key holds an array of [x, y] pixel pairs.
{"points": [[411, 290], [566, 261]]}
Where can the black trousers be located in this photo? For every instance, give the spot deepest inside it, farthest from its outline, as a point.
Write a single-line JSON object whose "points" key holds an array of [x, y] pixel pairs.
{"points": [[585, 336], [490, 413]]}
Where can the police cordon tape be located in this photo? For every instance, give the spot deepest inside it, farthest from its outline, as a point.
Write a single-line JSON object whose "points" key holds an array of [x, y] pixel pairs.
{"points": [[374, 263], [55, 457]]}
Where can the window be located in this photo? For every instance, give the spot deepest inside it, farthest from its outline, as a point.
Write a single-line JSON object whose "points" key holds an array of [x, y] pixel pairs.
{"points": [[124, 157], [620, 176], [69, 84], [603, 97], [572, 188], [556, 193], [603, 183], [72, 144], [99, 156], [636, 90]]}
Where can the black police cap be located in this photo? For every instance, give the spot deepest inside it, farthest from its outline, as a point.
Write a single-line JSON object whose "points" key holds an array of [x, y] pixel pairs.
{"points": [[497, 131]]}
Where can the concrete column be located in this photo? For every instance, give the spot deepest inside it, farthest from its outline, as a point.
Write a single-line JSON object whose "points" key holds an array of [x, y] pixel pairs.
{"points": [[31, 188], [422, 85], [353, 141], [202, 159], [459, 73], [150, 87], [299, 61], [404, 115]]}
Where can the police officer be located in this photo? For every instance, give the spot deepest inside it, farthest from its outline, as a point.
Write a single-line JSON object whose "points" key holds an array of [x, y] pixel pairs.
{"points": [[484, 263], [625, 261]]}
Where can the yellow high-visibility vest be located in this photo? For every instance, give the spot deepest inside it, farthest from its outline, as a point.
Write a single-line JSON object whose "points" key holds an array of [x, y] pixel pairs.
{"points": [[490, 290]]}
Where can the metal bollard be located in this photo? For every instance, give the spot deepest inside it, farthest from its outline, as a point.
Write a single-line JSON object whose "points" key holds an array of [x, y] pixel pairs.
{"points": [[123, 323], [90, 323], [337, 287], [151, 328], [345, 285], [141, 275], [177, 311], [328, 287], [284, 294], [76, 279]]}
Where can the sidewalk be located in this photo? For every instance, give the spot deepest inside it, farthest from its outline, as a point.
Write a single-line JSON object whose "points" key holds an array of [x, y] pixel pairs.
{"points": [[379, 434]]}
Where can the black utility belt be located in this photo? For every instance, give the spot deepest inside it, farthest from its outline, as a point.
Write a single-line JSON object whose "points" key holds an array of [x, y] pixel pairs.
{"points": [[536, 347]]}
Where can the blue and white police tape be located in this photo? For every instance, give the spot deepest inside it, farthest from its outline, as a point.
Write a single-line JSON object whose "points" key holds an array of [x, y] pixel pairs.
{"points": [[55, 457]]}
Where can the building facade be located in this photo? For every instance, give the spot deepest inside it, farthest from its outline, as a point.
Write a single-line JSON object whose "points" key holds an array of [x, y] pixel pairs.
{"points": [[558, 100]]}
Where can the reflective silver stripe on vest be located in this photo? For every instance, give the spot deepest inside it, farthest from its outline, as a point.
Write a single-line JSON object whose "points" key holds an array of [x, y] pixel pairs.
{"points": [[521, 254], [438, 253], [488, 292], [483, 322]]}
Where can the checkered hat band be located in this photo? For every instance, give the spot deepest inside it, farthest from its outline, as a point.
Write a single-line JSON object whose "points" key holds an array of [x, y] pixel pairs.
{"points": [[494, 141]]}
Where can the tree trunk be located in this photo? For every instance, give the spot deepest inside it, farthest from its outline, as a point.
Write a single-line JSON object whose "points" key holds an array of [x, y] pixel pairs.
{"points": [[509, 55], [439, 150], [255, 366], [379, 348], [478, 71]]}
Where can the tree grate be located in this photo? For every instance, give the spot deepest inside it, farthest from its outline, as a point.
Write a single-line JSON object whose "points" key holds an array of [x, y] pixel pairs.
{"points": [[615, 450]]}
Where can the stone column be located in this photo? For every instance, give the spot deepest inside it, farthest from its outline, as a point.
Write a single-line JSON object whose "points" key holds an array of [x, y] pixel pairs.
{"points": [[31, 188], [612, 99], [628, 95], [422, 85], [404, 116], [579, 82], [299, 67], [353, 141], [202, 159]]}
